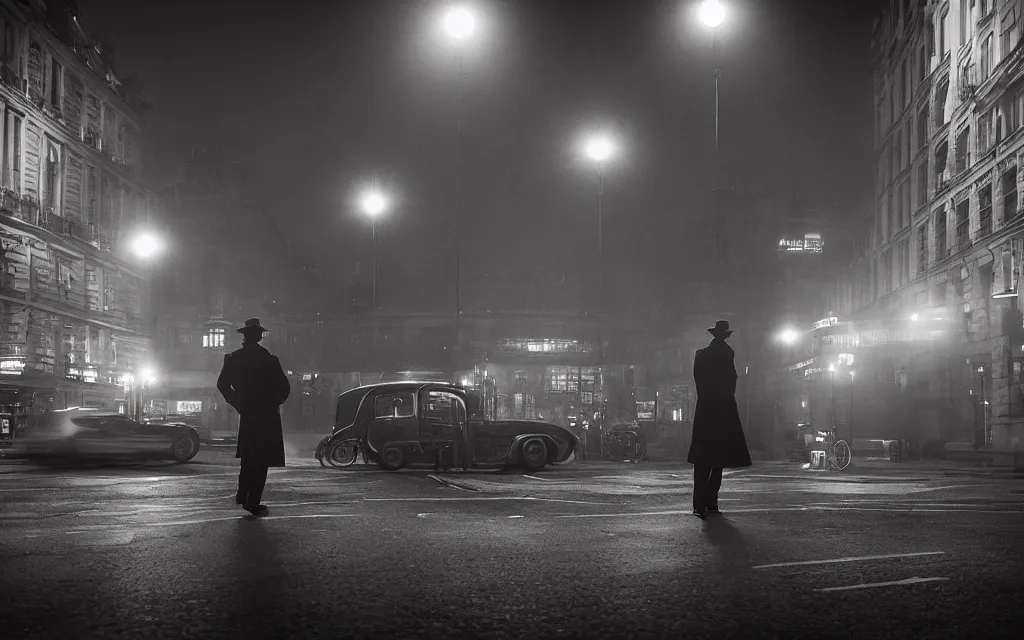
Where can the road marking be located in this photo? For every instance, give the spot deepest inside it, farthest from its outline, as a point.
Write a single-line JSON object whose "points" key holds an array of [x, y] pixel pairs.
{"points": [[913, 510], [674, 512], [893, 583], [849, 559], [435, 499], [510, 517], [422, 515], [536, 478], [205, 520]]}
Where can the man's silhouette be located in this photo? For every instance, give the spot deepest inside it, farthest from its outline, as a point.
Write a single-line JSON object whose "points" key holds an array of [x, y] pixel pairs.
{"points": [[253, 382], [718, 439]]}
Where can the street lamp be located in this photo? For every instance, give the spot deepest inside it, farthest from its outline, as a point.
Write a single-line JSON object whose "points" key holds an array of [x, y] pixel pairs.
{"points": [[147, 377], [712, 14], [788, 336], [373, 204], [459, 24], [146, 245], [599, 149]]}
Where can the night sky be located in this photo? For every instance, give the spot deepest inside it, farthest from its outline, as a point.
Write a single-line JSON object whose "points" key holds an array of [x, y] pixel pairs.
{"points": [[321, 96]]}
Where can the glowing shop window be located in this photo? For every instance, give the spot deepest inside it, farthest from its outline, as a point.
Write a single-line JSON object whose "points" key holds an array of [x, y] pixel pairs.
{"points": [[214, 339]]}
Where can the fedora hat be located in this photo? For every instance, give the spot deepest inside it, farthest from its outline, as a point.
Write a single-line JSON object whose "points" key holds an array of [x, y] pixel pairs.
{"points": [[252, 324], [722, 326]]}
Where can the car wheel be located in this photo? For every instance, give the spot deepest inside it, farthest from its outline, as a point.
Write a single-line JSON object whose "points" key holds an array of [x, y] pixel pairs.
{"points": [[392, 458], [342, 455], [533, 454], [184, 449]]}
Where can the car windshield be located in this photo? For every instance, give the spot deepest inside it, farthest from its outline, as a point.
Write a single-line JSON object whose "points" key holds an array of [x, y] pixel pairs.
{"points": [[348, 406]]}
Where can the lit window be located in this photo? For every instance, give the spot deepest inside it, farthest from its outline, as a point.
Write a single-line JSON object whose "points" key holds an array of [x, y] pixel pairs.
{"points": [[215, 339]]}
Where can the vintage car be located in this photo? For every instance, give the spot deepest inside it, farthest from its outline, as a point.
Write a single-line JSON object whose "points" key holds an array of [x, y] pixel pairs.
{"points": [[89, 434], [401, 423]]}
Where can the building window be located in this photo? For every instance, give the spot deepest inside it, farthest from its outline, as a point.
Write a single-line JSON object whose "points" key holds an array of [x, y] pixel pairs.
{"points": [[940, 234], [1010, 35], [903, 253], [922, 64], [897, 153], [922, 127], [941, 95], [56, 77], [1009, 185], [52, 176], [12, 152], [922, 247], [963, 152], [986, 58], [984, 133], [963, 224], [985, 210], [943, 44], [922, 185], [905, 83], [214, 339]]}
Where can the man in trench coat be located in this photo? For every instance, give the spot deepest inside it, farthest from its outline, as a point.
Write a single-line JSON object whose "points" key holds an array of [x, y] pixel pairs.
{"points": [[718, 440], [253, 382]]}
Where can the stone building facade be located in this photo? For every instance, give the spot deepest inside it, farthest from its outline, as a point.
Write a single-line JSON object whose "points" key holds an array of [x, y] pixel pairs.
{"points": [[929, 343], [74, 303]]}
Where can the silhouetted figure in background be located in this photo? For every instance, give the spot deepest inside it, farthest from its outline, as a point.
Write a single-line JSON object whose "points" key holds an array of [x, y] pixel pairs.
{"points": [[718, 440], [253, 382]]}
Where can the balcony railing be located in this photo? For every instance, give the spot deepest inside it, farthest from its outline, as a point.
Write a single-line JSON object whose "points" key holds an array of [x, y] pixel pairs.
{"points": [[10, 203]]}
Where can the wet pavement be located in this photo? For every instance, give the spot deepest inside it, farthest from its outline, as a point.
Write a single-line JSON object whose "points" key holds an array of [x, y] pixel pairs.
{"points": [[584, 551]]}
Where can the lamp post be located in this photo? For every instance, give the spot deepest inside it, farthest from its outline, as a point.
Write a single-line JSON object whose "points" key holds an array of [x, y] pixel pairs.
{"points": [[712, 15], [146, 246], [459, 23], [373, 204], [599, 149]]}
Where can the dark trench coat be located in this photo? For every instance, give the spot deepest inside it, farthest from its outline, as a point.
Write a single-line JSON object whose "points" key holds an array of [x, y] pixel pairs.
{"points": [[718, 439], [253, 382]]}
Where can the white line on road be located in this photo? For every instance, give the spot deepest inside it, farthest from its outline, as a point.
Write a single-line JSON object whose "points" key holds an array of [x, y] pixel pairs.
{"points": [[478, 499], [892, 583], [205, 520], [910, 509], [510, 517], [849, 559], [674, 512], [536, 478]]}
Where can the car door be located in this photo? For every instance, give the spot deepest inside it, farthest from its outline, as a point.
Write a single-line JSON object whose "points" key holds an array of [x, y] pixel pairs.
{"points": [[123, 435], [443, 422]]}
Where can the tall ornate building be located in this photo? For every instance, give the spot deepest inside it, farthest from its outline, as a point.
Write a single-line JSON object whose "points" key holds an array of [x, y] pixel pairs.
{"points": [[73, 302], [929, 343]]}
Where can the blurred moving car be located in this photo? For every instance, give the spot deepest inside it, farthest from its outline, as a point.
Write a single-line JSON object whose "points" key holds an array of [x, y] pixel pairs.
{"points": [[401, 423], [97, 435]]}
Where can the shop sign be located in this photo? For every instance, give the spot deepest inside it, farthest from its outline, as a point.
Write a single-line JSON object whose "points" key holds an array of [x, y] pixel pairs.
{"points": [[801, 365], [189, 406], [824, 323], [12, 366]]}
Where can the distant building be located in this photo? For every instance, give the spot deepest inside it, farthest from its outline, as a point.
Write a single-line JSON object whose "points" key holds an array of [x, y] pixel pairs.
{"points": [[935, 330], [74, 305], [231, 262]]}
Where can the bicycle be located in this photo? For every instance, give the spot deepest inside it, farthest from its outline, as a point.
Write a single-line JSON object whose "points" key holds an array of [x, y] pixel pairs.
{"points": [[838, 454]]}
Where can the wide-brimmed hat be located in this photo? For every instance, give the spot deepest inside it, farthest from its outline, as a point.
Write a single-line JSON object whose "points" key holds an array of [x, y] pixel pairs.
{"points": [[252, 324], [722, 326]]}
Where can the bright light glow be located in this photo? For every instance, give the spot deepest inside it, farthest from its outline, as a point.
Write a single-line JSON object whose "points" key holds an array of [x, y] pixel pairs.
{"points": [[599, 148], [146, 245], [914, 317], [459, 23], [789, 336], [373, 203], [711, 13], [465, 382], [832, 368], [148, 375], [853, 374]]}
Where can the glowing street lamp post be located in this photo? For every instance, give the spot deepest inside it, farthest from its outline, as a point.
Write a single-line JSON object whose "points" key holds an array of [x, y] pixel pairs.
{"points": [[373, 204], [147, 247], [459, 24], [600, 149], [712, 14]]}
